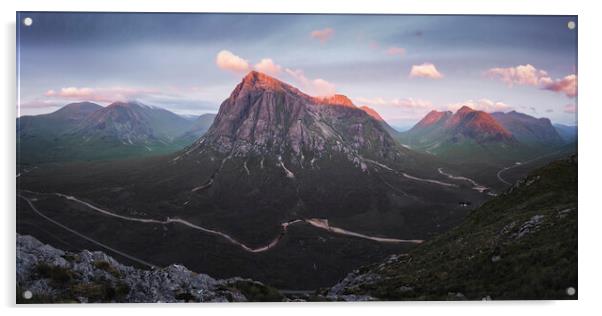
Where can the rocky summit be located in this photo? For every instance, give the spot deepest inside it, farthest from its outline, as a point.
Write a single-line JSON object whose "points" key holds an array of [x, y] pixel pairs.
{"points": [[266, 116]]}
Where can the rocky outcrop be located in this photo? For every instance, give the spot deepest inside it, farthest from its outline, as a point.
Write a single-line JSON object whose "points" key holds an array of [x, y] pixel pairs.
{"points": [[47, 275]]}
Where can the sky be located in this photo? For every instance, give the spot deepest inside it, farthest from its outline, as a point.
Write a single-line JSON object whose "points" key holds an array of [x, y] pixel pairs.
{"points": [[401, 65]]}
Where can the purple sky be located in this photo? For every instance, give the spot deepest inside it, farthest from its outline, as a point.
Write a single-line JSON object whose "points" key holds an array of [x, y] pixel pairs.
{"points": [[403, 66]]}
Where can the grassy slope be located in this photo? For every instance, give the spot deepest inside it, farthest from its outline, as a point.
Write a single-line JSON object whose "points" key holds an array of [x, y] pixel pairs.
{"points": [[45, 150], [484, 257]]}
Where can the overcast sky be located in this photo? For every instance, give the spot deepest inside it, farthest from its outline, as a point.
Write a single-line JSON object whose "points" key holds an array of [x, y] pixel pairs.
{"points": [[402, 66]]}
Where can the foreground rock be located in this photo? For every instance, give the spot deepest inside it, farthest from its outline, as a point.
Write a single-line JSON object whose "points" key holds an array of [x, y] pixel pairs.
{"points": [[49, 275]]}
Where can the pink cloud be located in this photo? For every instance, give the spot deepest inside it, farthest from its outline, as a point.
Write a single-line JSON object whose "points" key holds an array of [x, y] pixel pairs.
{"points": [[39, 104], [228, 61], [71, 93], [396, 51], [531, 76], [426, 70], [268, 66], [566, 85], [405, 103], [521, 75], [315, 87], [99, 94], [323, 35], [570, 108], [485, 105]]}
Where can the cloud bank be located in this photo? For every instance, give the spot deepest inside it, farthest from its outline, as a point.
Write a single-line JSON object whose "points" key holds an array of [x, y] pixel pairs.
{"points": [[100, 94], [530, 76]]}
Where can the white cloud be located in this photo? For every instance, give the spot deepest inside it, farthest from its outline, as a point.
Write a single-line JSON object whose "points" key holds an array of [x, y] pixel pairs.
{"points": [[315, 87], [228, 61], [485, 105], [426, 70], [268, 66], [521, 75], [323, 35], [405, 103]]}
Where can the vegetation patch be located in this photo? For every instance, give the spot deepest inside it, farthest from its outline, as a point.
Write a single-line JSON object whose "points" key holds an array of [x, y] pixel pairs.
{"points": [[57, 275], [106, 266]]}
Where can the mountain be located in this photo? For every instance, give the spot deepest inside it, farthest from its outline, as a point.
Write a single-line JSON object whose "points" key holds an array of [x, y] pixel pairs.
{"points": [[477, 125], [520, 245], [264, 115], [199, 126], [465, 124], [282, 181], [52, 124], [528, 129], [567, 132], [465, 135], [88, 131], [132, 123], [39, 137], [375, 115]]}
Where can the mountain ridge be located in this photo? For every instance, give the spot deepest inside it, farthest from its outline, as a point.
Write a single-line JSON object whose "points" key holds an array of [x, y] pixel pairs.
{"points": [[88, 131], [528, 129]]}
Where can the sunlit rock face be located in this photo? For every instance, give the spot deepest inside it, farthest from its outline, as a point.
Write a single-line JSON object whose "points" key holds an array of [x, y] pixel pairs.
{"points": [[466, 123], [478, 125], [266, 116]]}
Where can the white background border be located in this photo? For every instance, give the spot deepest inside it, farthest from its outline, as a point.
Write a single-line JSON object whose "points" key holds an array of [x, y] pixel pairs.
{"points": [[590, 155]]}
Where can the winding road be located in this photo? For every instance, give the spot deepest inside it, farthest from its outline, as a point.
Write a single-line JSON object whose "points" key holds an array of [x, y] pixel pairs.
{"points": [[98, 243], [521, 163], [476, 186], [315, 222]]}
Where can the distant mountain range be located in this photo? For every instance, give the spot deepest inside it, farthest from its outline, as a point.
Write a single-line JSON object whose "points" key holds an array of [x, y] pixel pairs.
{"points": [[567, 132], [528, 129], [472, 135], [88, 131]]}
